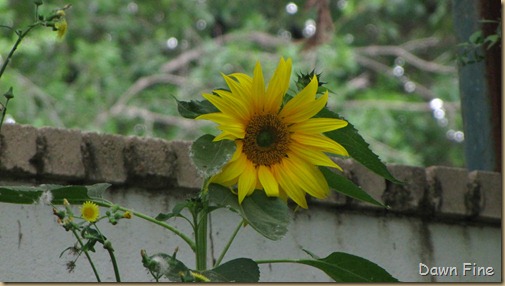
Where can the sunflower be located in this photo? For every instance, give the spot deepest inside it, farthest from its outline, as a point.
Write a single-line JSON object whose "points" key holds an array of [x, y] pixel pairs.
{"points": [[278, 147], [90, 211]]}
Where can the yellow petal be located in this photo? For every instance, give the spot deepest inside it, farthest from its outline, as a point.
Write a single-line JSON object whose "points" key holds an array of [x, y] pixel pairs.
{"points": [[258, 86], [311, 155], [225, 106], [268, 181], [304, 111], [303, 98], [226, 123], [288, 186], [320, 142], [225, 136], [238, 151], [231, 171], [307, 176], [244, 80], [277, 87], [236, 99], [246, 181], [318, 125]]}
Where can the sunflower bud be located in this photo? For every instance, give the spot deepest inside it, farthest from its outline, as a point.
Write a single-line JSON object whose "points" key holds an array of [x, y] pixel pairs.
{"points": [[304, 79]]}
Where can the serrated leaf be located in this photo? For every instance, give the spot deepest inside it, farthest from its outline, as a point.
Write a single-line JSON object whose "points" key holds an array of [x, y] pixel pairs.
{"points": [[269, 216], [345, 186], [348, 268], [194, 108], [209, 156], [357, 147], [240, 270]]}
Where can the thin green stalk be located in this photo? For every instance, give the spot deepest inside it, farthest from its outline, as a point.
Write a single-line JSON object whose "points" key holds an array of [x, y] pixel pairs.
{"points": [[108, 245], [4, 111], [227, 246], [153, 220], [114, 263], [87, 255], [11, 53]]}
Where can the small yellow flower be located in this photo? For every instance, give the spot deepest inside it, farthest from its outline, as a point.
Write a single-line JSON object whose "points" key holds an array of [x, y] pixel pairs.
{"points": [[90, 211], [127, 215]]}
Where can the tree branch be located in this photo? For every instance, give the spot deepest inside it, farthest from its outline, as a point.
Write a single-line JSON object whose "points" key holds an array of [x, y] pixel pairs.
{"points": [[139, 85], [260, 38], [412, 59]]}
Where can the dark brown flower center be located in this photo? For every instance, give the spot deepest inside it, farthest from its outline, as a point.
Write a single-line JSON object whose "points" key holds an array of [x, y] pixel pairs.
{"points": [[266, 140]]}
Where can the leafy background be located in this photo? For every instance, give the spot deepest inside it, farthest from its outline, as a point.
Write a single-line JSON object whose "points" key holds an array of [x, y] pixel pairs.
{"points": [[122, 61]]}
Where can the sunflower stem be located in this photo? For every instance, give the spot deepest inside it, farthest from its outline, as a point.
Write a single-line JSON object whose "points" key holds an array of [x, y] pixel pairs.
{"points": [[200, 217], [227, 246]]}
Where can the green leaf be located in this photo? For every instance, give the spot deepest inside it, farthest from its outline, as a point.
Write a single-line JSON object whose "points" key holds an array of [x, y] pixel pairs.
{"points": [[30, 195], [20, 195], [192, 109], [476, 38], [209, 156], [357, 147], [343, 185], [344, 267], [176, 211], [267, 215], [241, 270], [163, 264]]}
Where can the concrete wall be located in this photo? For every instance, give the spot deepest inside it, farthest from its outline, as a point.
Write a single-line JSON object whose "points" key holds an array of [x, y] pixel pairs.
{"points": [[441, 217]]}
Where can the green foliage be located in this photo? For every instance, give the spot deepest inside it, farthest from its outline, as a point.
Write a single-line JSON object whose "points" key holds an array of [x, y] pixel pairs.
{"points": [[51, 194], [87, 80], [344, 267], [240, 270], [344, 186], [268, 216], [194, 108], [209, 156], [472, 50], [356, 146]]}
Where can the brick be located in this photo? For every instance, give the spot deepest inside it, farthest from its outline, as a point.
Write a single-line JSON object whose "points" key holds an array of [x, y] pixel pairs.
{"points": [[484, 196], [18, 144], [149, 162], [186, 174], [448, 187], [103, 158], [370, 182], [59, 154], [407, 196]]}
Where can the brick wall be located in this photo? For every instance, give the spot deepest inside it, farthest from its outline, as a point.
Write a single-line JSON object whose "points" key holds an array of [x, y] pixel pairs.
{"points": [[52, 155]]}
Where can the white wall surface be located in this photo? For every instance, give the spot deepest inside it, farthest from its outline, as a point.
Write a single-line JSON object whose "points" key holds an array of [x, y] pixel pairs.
{"points": [[31, 242]]}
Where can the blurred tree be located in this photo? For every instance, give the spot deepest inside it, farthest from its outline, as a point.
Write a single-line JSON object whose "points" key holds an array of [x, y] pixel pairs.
{"points": [[390, 64]]}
